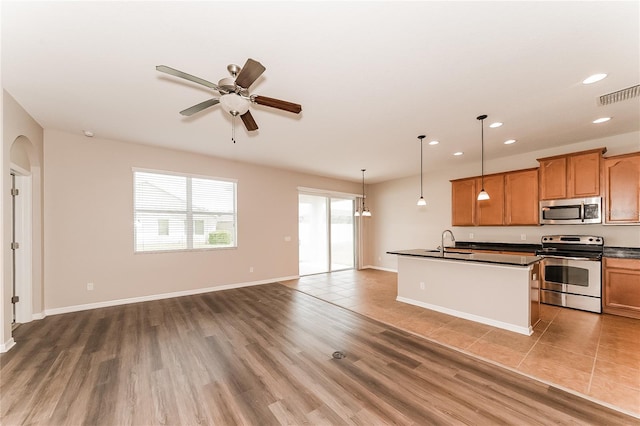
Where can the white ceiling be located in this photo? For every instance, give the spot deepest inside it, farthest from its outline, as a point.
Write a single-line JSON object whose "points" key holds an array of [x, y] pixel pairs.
{"points": [[370, 76]]}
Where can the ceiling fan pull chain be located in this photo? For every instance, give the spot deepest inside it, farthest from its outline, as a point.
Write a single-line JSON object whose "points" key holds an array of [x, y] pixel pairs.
{"points": [[233, 128]]}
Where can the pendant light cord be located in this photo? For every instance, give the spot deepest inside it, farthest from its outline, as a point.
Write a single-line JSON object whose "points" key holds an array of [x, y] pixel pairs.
{"points": [[363, 189], [482, 118], [421, 167], [482, 153]]}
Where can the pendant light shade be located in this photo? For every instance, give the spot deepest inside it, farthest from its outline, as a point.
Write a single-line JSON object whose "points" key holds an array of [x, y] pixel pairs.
{"points": [[364, 211], [483, 195], [421, 200]]}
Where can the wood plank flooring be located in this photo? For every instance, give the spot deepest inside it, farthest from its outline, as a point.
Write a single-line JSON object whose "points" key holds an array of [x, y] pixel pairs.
{"points": [[597, 355], [260, 356]]}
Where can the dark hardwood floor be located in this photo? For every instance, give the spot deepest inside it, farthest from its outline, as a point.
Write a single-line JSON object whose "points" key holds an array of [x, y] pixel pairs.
{"points": [[260, 356]]}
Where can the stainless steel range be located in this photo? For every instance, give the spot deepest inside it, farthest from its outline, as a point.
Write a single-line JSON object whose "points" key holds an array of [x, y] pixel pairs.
{"points": [[572, 271]]}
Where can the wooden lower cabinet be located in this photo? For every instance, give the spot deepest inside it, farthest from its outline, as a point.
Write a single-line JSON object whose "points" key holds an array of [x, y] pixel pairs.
{"points": [[621, 289]]}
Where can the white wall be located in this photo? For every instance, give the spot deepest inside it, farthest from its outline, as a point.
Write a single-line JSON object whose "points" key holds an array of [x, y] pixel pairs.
{"points": [[398, 223], [89, 223]]}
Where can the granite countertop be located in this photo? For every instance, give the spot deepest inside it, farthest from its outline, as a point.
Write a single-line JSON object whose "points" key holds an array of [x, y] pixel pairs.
{"points": [[615, 252], [473, 245], [622, 252], [500, 259]]}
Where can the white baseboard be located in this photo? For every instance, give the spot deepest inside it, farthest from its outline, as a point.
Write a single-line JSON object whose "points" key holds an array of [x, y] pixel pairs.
{"points": [[488, 321], [380, 268], [117, 302], [7, 345], [38, 316]]}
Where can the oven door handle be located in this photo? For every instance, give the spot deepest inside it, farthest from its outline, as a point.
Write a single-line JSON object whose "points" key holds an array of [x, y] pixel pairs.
{"points": [[572, 258]]}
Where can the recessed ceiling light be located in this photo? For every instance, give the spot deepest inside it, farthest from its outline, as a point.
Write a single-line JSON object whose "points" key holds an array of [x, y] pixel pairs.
{"points": [[434, 142], [593, 78], [509, 141], [601, 120], [88, 133], [458, 153], [496, 124]]}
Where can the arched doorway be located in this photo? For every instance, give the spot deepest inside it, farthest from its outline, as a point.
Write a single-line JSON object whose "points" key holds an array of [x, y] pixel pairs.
{"points": [[25, 212]]}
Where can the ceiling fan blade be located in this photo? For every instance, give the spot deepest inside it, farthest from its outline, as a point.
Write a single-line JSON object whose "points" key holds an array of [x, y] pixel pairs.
{"points": [[249, 73], [197, 108], [277, 103], [248, 121], [177, 73]]}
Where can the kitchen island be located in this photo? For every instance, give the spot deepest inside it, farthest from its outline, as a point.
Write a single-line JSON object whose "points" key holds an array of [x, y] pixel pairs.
{"points": [[494, 289]]}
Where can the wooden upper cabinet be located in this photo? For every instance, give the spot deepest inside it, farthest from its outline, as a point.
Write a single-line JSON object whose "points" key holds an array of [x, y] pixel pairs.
{"points": [[553, 178], [521, 198], [574, 175], [622, 186], [463, 202], [583, 177], [513, 200], [491, 211]]}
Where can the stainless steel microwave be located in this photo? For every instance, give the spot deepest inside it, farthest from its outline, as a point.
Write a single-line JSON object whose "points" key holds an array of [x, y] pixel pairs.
{"points": [[574, 211]]}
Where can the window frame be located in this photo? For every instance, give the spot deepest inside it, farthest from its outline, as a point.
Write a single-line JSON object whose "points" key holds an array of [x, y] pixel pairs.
{"points": [[189, 213]]}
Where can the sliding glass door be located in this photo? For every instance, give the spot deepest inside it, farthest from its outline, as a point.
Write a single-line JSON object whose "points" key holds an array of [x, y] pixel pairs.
{"points": [[326, 234]]}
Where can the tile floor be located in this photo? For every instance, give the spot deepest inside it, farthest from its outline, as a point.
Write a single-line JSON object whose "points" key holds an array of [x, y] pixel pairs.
{"points": [[595, 355]]}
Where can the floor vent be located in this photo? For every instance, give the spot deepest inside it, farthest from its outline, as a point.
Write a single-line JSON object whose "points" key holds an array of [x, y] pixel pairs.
{"points": [[620, 95], [339, 355]]}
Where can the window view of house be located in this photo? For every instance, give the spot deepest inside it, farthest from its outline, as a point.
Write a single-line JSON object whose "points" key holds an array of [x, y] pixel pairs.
{"points": [[175, 212]]}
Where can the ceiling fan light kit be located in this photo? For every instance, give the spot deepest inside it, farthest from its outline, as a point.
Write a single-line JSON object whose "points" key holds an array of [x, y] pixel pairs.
{"points": [[234, 104], [234, 93]]}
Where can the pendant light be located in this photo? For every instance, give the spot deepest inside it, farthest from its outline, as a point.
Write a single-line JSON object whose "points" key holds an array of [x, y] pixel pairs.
{"points": [[483, 195], [421, 200], [365, 210]]}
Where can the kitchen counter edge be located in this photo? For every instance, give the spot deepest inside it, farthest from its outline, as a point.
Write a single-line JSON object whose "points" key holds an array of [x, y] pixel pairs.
{"points": [[499, 259], [622, 252]]}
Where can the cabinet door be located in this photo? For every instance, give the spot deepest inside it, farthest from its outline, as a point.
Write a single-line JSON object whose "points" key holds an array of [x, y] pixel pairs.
{"points": [[521, 198], [622, 186], [584, 175], [622, 287], [553, 179], [491, 211], [463, 202]]}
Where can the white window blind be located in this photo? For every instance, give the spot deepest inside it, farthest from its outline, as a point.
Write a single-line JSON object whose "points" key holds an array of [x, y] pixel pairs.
{"points": [[183, 212]]}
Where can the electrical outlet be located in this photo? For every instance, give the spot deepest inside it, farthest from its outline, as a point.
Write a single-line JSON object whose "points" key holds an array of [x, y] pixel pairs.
{"points": [[421, 286], [471, 235], [89, 286], [250, 268], [379, 258], [523, 237], [287, 238]]}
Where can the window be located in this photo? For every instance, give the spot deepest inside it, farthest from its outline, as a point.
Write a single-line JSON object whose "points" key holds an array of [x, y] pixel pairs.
{"points": [[163, 227], [183, 212]]}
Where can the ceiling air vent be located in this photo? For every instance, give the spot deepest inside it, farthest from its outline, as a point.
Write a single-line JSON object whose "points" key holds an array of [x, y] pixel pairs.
{"points": [[620, 95]]}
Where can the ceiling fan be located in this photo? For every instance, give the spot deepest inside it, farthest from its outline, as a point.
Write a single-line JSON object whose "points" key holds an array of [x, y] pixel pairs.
{"points": [[234, 92]]}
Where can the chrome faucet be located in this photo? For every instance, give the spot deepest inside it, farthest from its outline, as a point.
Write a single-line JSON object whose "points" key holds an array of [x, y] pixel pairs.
{"points": [[453, 240]]}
